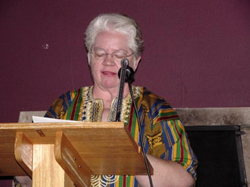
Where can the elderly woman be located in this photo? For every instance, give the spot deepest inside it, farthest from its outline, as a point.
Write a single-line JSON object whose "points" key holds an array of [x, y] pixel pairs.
{"points": [[109, 39]]}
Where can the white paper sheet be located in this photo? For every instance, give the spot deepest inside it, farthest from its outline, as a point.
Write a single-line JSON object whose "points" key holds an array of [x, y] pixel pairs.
{"points": [[38, 119]]}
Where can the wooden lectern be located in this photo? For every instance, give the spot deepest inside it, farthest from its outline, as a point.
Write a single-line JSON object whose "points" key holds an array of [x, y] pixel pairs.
{"points": [[67, 154]]}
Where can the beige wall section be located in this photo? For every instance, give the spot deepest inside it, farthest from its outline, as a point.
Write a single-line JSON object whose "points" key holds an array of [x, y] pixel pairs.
{"points": [[26, 116], [199, 116]]}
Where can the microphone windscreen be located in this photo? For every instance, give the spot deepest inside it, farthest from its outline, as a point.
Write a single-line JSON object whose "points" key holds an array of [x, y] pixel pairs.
{"points": [[129, 74]]}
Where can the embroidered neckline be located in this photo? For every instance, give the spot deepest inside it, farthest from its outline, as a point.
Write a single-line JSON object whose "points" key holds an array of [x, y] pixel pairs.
{"points": [[92, 108]]}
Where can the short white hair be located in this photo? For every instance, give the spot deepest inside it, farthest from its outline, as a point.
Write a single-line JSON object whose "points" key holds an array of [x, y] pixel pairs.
{"points": [[116, 22]]}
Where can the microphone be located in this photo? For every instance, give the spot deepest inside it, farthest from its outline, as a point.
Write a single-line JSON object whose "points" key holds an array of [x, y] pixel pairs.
{"points": [[122, 75], [126, 74], [129, 74]]}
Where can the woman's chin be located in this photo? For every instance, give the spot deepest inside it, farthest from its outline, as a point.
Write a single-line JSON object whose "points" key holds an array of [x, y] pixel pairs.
{"points": [[111, 84]]}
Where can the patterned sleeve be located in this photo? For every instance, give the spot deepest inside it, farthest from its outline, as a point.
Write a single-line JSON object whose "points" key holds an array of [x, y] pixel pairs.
{"points": [[166, 137], [180, 150], [60, 105]]}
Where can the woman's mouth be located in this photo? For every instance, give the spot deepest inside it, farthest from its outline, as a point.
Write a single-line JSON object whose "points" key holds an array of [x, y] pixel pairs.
{"points": [[108, 73]]}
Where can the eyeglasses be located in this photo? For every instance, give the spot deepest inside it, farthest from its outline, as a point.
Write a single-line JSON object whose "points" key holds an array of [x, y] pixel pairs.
{"points": [[116, 56]]}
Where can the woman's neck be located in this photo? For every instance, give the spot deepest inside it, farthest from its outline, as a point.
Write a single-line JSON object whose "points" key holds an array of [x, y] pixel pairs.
{"points": [[107, 95]]}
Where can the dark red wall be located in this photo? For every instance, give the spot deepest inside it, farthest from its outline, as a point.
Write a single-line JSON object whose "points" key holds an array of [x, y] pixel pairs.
{"points": [[197, 52]]}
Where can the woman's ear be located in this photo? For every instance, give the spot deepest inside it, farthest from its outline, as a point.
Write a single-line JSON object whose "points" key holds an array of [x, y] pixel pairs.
{"points": [[88, 55], [136, 63]]}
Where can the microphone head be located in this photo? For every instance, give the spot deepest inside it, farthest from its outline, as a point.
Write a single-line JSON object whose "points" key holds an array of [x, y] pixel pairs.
{"points": [[125, 62], [129, 74]]}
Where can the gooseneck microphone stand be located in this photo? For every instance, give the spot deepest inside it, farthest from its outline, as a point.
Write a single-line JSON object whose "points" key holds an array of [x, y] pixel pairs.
{"points": [[126, 74], [122, 75]]}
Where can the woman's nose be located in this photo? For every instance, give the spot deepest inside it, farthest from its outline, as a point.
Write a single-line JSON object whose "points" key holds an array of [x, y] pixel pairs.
{"points": [[108, 60]]}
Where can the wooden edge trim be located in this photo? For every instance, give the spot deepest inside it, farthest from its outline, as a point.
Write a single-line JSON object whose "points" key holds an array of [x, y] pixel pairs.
{"points": [[24, 153], [69, 159]]}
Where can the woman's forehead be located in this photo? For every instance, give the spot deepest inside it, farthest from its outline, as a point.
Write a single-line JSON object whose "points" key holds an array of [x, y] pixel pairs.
{"points": [[111, 40]]}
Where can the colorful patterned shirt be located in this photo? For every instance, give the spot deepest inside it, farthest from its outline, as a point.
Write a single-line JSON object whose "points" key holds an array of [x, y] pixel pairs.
{"points": [[163, 133]]}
